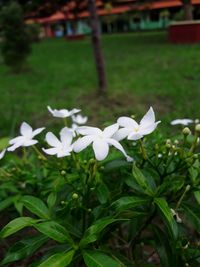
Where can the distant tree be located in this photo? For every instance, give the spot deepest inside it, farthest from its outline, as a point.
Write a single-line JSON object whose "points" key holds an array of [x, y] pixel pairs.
{"points": [[16, 41]]}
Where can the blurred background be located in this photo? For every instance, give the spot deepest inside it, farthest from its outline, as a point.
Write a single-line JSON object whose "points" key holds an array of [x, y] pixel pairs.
{"points": [[109, 58]]}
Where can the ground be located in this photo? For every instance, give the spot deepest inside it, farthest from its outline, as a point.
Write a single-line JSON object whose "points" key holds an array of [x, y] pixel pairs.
{"points": [[143, 70]]}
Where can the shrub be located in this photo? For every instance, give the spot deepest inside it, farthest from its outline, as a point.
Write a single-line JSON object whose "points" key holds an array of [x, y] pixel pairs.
{"points": [[16, 41], [95, 208]]}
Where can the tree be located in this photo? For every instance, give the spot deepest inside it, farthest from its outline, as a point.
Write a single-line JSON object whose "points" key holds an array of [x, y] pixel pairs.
{"points": [[96, 42], [16, 42]]}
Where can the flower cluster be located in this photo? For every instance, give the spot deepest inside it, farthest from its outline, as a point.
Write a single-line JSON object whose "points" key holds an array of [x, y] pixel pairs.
{"points": [[101, 140]]}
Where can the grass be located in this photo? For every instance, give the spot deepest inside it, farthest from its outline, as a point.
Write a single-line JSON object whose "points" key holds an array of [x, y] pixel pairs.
{"points": [[143, 69]]}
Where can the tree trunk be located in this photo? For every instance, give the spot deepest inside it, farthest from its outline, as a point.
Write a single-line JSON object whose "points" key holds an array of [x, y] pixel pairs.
{"points": [[188, 9], [97, 48]]}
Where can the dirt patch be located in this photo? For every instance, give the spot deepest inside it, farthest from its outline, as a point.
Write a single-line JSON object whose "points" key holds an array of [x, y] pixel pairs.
{"points": [[101, 109]]}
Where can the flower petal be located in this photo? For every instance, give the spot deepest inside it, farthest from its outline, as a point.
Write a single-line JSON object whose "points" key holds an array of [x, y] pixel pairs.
{"points": [[37, 131], [87, 130], [30, 142], [50, 151], [110, 130], [26, 130], [181, 121], [148, 118], [121, 134], [148, 128], [52, 140], [134, 136], [14, 146], [100, 148], [117, 145], [82, 143], [66, 136], [18, 139], [127, 122]]}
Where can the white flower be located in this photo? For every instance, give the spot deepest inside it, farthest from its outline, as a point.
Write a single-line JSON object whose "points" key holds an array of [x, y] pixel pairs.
{"points": [[181, 121], [2, 153], [62, 147], [26, 137], [134, 131], [79, 119], [62, 113], [100, 140]]}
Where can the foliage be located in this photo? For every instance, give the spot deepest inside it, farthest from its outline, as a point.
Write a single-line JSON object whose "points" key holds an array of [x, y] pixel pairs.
{"points": [[34, 32], [107, 213], [16, 41]]}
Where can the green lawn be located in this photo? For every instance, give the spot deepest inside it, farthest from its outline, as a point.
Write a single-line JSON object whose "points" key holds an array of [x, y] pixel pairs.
{"points": [[143, 69]]}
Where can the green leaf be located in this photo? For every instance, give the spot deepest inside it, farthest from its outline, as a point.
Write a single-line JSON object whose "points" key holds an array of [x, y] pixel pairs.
{"points": [[51, 200], [16, 225], [116, 164], [59, 260], [168, 218], [99, 259], [92, 233], [193, 215], [36, 206], [125, 203], [197, 196], [24, 248], [142, 181], [162, 247], [55, 231], [102, 193], [8, 202], [4, 142]]}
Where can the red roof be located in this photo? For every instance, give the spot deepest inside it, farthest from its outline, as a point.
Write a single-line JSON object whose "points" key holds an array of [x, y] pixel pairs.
{"points": [[67, 13]]}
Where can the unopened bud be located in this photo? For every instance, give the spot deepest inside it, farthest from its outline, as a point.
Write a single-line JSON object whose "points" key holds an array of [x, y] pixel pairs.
{"points": [[92, 161], [63, 172], [197, 128], [187, 264], [89, 210], [187, 188], [176, 142], [168, 145], [75, 196], [196, 121], [133, 116], [168, 141], [186, 131]]}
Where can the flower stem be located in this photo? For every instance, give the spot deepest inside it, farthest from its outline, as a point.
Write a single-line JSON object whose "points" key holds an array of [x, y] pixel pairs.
{"points": [[39, 153], [144, 154], [183, 195], [65, 122], [24, 155]]}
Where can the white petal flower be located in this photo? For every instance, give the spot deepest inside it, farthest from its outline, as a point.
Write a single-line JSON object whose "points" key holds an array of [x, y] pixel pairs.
{"points": [[79, 119], [182, 122], [134, 131], [100, 140], [2, 153], [62, 147], [62, 113], [26, 137]]}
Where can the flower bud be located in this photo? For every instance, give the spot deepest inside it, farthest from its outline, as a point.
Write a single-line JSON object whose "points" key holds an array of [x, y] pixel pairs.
{"points": [[187, 265], [196, 121], [89, 210], [187, 188], [63, 172], [197, 128], [75, 196], [168, 145], [176, 142], [186, 131]]}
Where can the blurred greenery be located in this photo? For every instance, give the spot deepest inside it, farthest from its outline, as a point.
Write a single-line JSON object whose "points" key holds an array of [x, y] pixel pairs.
{"points": [[143, 69]]}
